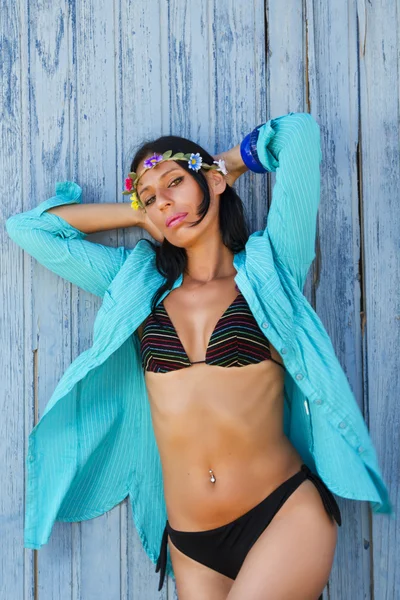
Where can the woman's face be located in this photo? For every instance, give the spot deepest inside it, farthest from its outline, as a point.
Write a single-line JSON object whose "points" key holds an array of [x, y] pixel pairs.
{"points": [[167, 190]]}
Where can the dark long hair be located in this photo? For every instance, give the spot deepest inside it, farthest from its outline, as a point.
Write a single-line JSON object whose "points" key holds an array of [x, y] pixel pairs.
{"points": [[171, 261]]}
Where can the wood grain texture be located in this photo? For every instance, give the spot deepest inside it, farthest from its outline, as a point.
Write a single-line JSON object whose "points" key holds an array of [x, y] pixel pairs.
{"points": [[83, 85], [380, 217], [333, 99], [17, 357]]}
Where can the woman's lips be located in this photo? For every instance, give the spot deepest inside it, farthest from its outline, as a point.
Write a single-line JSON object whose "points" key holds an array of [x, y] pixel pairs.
{"points": [[176, 219]]}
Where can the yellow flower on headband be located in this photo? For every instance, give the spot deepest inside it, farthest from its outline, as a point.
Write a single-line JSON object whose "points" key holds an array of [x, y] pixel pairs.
{"points": [[135, 201], [195, 164]]}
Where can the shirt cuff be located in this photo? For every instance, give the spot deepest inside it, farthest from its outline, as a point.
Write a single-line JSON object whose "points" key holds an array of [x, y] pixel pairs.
{"points": [[67, 192], [265, 156]]}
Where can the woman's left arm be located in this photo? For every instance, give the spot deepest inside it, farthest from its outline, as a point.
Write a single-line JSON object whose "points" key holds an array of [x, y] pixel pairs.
{"points": [[290, 145]]}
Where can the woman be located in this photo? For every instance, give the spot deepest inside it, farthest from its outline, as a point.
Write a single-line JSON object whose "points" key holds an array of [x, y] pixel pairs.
{"points": [[246, 516], [201, 357]]}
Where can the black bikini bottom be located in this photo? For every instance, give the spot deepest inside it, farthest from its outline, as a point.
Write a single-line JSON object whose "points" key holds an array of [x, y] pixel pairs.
{"points": [[224, 548]]}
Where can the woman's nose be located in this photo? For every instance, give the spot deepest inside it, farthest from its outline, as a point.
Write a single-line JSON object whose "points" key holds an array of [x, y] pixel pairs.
{"points": [[163, 199]]}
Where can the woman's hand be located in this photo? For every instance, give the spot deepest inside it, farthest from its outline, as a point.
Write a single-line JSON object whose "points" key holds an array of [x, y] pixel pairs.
{"points": [[233, 162], [144, 222]]}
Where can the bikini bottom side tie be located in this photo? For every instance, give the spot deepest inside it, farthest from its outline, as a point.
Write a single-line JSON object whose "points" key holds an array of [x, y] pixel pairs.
{"points": [[224, 548], [162, 558]]}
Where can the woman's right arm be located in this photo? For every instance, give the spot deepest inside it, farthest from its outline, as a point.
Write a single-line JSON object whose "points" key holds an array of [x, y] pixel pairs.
{"points": [[54, 232], [91, 218]]}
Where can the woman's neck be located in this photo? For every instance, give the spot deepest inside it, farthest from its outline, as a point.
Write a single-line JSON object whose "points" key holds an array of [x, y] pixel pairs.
{"points": [[209, 261]]}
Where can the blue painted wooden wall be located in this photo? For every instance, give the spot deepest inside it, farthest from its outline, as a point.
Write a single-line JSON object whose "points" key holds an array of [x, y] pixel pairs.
{"points": [[82, 84]]}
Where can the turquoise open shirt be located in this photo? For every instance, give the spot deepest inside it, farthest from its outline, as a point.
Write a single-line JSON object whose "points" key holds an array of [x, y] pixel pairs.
{"points": [[94, 444]]}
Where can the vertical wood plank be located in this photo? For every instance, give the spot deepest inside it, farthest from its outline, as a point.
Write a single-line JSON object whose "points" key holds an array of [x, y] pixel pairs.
{"points": [[379, 47], [16, 358], [333, 100]]}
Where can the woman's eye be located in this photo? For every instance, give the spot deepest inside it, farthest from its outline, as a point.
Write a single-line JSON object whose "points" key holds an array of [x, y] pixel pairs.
{"points": [[147, 202]]}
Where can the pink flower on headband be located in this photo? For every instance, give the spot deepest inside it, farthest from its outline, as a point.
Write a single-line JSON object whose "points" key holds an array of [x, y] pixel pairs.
{"points": [[128, 183], [153, 160]]}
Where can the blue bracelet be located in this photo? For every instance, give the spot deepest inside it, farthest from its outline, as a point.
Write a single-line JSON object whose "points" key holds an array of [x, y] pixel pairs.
{"points": [[248, 151]]}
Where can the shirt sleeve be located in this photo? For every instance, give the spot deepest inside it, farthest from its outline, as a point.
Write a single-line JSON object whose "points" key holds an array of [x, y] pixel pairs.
{"points": [[290, 145], [62, 248]]}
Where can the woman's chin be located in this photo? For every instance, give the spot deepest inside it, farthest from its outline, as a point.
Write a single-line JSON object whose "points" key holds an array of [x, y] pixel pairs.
{"points": [[174, 239]]}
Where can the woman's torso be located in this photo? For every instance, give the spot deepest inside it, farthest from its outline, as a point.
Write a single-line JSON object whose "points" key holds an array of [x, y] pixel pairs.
{"points": [[228, 419]]}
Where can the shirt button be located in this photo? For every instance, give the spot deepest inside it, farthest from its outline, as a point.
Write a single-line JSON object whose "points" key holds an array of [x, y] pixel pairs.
{"points": [[283, 350], [299, 376], [342, 424], [360, 449], [318, 401], [265, 324]]}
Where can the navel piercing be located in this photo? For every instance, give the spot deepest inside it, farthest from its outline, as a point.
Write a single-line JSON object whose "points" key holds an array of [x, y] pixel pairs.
{"points": [[212, 478]]}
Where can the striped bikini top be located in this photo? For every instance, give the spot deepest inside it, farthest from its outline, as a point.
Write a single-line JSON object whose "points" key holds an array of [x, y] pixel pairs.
{"points": [[236, 341]]}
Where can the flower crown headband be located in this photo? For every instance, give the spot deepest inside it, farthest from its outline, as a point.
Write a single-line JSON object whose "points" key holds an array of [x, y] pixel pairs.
{"points": [[195, 163]]}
